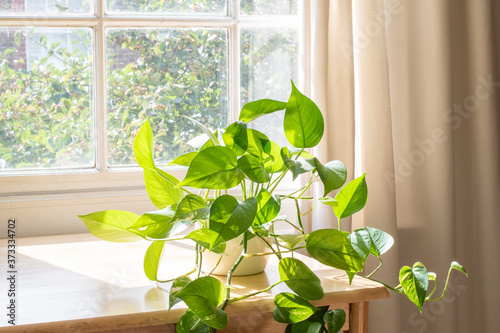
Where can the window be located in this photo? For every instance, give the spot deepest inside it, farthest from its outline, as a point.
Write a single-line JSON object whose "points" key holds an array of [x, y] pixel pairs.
{"points": [[79, 77]]}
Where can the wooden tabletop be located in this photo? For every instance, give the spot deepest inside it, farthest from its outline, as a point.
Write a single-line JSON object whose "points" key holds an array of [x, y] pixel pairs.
{"points": [[78, 283]]}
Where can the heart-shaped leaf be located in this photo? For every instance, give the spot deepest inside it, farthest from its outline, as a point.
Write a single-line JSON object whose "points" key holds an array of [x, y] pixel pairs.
{"points": [[236, 137], [352, 198], [173, 219], [332, 248], [259, 144], [256, 109], [214, 168], [190, 323], [300, 279], [143, 147], [202, 237], [415, 282], [329, 201], [253, 168], [267, 208], [292, 241], [298, 166], [361, 242], [152, 260], [333, 175], [185, 159], [304, 327], [229, 219], [291, 308], [179, 283], [303, 123], [456, 266], [111, 225], [277, 164], [160, 188], [335, 320], [203, 296], [381, 241]]}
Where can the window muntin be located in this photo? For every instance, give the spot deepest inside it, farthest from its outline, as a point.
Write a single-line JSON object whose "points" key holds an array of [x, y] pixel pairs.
{"points": [[100, 23]]}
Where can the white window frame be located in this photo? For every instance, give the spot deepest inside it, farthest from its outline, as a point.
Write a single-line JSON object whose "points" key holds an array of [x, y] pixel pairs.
{"points": [[26, 196]]}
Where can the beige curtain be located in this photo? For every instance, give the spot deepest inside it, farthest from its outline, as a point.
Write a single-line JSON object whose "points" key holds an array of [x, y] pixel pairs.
{"points": [[409, 90]]}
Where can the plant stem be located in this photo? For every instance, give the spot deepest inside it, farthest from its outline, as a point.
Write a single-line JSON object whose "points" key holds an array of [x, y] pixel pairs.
{"points": [[255, 293], [339, 225], [385, 285], [278, 180], [230, 273], [271, 247], [299, 220], [444, 289], [298, 155], [244, 189], [376, 269]]}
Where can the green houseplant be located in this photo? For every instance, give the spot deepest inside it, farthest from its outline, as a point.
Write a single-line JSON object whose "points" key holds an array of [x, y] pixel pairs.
{"points": [[244, 158]]}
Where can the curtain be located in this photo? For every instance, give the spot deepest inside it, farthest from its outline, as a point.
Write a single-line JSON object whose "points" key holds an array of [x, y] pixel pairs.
{"points": [[409, 91]]}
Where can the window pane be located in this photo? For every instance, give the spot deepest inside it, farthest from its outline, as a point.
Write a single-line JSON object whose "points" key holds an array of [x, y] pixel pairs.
{"points": [[163, 75], [269, 60], [46, 103], [268, 7], [45, 7], [169, 6]]}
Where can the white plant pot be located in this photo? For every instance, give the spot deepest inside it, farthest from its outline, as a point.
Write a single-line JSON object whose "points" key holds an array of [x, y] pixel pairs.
{"points": [[248, 266]]}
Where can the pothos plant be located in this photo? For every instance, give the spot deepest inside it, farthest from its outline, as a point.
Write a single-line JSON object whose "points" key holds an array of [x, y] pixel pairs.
{"points": [[244, 158]]}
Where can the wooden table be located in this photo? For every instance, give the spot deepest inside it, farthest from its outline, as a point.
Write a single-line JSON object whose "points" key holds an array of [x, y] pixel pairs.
{"points": [[78, 283]]}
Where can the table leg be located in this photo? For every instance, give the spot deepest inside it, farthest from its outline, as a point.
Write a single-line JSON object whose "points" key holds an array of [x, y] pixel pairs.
{"points": [[358, 318]]}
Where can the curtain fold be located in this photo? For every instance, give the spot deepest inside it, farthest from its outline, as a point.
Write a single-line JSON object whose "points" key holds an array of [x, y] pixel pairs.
{"points": [[409, 91]]}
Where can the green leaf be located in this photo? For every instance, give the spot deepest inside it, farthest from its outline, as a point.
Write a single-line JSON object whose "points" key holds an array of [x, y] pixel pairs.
{"points": [[229, 219], [143, 147], [111, 225], [202, 237], [381, 241], [300, 279], [173, 219], [298, 166], [258, 144], [352, 198], [292, 240], [236, 137], [152, 260], [177, 285], [333, 175], [328, 201], [291, 308], [203, 296], [253, 168], [160, 188], [256, 109], [185, 159], [335, 320], [456, 266], [332, 248], [267, 208], [303, 123], [415, 282], [214, 168], [361, 242], [277, 161], [188, 323]]}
